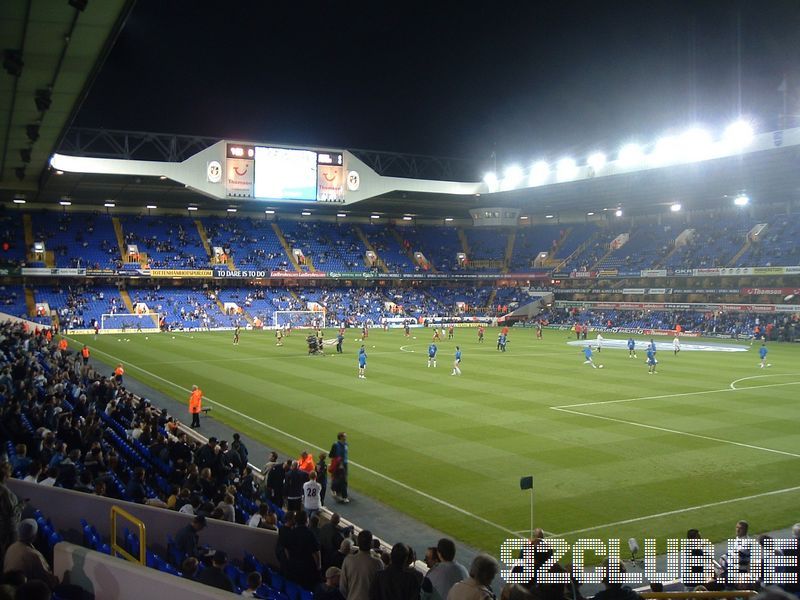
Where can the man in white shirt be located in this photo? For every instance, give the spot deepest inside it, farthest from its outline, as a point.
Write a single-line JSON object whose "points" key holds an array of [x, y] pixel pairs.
{"points": [[311, 495]]}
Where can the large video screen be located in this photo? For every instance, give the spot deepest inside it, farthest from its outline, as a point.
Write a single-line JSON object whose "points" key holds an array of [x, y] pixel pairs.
{"points": [[283, 174]]}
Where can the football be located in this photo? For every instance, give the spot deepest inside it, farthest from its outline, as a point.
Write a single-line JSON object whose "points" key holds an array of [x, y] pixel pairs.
{"points": [[599, 366]]}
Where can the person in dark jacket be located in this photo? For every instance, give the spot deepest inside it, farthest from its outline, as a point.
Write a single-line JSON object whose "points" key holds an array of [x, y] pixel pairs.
{"points": [[293, 487], [303, 551], [215, 575], [187, 541], [396, 582], [616, 591], [274, 484]]}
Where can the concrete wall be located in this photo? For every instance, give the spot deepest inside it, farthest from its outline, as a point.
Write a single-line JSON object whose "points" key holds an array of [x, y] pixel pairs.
{"points": [[65, 508], [112, 578]]}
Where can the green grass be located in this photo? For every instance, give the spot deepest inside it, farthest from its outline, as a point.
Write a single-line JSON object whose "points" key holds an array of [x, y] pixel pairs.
{"points": [[467, 440]]}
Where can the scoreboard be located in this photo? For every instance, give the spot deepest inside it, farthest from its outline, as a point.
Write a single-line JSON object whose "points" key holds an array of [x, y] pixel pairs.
{"points": [[284, 174]]}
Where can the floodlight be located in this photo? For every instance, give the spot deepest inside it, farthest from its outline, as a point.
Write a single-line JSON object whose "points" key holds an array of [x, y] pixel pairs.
{"points": [[490, 179], [269, 211], [597, 161], [696, 144], [618, 212], [565, 168], [630, 155], [523, 218], [741, 200], [65, 203], [549, 216], [738, 134], [539, 173], [675, 207], [306, 213], [18, 201], [667, 150], [407, 218], [231, 210], [448, 219], [109, 205], [151, 207], [374, 216], [589, 214], [512, 176], [338, 215], [191, 208]]}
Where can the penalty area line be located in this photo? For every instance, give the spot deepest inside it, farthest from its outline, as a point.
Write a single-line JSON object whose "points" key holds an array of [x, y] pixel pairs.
{"points": [[678, 432], [400, 484], [679, 511]]}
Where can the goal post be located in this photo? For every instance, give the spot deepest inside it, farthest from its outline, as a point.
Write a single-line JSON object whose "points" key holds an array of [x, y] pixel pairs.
{"points": [[129, 322], [299, 319]]}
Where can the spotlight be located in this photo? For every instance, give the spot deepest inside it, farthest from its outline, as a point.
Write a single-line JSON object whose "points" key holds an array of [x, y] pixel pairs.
{"points": [[630, 154], [25, 155], [675, 207], [20, 173], [490, 179], [741, 200], [43, 99], [597, 161], [565, 168], [512, 176], [540, 171], [12, 62], [32, 131], [738, 134]]}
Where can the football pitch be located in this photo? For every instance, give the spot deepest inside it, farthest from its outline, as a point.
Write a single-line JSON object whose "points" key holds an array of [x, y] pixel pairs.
{"points": [[615, 452]]}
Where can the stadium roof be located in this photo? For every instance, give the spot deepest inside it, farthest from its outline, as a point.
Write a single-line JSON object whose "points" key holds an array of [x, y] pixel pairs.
{"points": [[767, 175], [52, 51]]}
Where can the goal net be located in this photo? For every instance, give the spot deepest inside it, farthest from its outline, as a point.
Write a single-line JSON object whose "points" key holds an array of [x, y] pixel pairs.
{"points": [[303, 319], [129, 322]]}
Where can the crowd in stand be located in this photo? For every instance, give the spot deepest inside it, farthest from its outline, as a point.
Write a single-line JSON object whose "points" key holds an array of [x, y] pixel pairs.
{"points": [[738, 325]]}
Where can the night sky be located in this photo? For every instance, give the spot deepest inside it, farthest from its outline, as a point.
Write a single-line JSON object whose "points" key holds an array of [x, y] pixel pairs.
{"points": [[528, 79]]}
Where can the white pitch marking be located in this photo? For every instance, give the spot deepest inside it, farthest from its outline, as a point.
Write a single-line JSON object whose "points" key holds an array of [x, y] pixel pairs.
{"points": [[677, 432], [310, 445], [735, 381], [679, 511], [403, 349], [731, 388]]}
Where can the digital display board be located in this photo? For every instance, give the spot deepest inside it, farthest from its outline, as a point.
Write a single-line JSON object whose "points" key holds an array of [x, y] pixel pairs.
{"points": [[285, 174]]}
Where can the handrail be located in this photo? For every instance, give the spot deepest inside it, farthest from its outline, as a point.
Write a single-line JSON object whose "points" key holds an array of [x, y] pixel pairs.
{"points": [[119, 550]]}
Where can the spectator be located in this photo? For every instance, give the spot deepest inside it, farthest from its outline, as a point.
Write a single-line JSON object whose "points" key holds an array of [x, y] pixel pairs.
{"points": [[330, 540], [215, 575], [187, 539], [477, 586], [446, 572], [293, 485], [226, 505], [303, 553], [189, 567], [136, 487], [616, 591], [311, 495], [253, 583], [396, 582], [23, 557], [10, 511], [329, 589], [359, 570]]}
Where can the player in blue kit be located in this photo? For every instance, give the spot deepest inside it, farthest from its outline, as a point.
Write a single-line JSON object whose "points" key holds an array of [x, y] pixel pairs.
{"points": [[651, 359], [587, 353], [432, 355], [362, 362], [457, 362], [631, 348], [762, 352]]}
